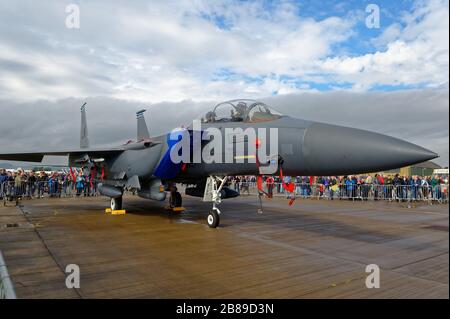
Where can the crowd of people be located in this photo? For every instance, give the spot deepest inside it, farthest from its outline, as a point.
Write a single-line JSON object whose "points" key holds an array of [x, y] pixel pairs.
{"points": [[365, 187], [54, 184], [82, 183]]}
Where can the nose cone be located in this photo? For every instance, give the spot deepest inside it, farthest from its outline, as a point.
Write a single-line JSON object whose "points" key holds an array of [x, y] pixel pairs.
{"points": [[336, 150]]}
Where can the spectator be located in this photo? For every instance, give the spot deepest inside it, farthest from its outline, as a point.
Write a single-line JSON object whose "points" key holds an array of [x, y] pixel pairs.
{"points": [[19, 183], [237, 182], [42, 180], [31, 183], [80, 183], [269, 184], [3, 182]]}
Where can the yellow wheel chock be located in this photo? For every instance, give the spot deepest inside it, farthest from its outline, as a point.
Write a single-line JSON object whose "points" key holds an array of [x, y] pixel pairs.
{"points": [[175, 209], [115, 212]]}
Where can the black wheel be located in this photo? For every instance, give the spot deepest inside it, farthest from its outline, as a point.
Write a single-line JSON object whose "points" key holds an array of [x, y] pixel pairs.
{"points": [[176, 200], [213, 219], [116, 203]]}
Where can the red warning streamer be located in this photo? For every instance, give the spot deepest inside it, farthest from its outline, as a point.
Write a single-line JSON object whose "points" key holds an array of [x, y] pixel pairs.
{"points": [[289, 187]]}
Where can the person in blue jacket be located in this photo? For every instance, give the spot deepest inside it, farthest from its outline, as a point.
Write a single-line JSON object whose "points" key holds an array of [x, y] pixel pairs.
{"points": [[3, 180], [80, 183]]}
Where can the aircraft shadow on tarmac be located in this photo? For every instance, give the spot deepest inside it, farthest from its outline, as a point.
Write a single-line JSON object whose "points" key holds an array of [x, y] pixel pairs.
{"points": [[147, 208]]}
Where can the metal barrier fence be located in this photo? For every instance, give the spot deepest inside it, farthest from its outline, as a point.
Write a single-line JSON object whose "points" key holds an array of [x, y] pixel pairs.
{"points": [[6, 286], [13, 191], [438, 193]]}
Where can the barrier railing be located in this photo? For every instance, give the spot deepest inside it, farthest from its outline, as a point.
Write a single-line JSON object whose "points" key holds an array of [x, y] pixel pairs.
{"points": [[15, 191], [6, 286], [354, 191]]}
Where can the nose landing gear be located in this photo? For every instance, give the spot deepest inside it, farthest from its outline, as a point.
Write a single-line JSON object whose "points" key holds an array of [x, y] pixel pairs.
{"points": [[213, 187]]}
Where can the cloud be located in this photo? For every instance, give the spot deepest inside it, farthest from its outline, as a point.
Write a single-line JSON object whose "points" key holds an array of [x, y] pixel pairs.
{"points": [[160, 51], [419, 116], [414, 51], [173, 50]]}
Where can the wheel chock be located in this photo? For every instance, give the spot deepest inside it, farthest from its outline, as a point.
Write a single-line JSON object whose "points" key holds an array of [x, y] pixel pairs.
{"points": [[175, 209], [119, 212], [115, 212]]}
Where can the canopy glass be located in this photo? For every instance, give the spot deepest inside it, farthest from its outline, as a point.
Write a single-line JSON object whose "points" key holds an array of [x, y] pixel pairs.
{"points": [[249, 111]]}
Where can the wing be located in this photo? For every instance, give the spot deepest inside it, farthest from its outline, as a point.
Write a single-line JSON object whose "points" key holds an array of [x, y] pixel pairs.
{"points": [[38, 156]]}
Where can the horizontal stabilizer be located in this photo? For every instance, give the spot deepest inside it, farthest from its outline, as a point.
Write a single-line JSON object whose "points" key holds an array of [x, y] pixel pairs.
{"points": [[39, 155]]}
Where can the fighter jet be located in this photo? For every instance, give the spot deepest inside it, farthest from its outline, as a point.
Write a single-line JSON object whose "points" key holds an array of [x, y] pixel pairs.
{"points": [[147, 166]]}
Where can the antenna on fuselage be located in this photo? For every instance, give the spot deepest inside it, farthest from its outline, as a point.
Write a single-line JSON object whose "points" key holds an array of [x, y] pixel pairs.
{"points": [[142, 130], [84, 139]]}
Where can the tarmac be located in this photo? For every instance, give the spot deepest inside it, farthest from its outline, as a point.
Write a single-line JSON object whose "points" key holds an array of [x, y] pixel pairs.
{"points": [[313, 249]]}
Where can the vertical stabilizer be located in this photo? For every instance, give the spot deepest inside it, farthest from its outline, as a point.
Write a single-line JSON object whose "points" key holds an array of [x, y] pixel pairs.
{"points": [[84, 139], [142, 130]]}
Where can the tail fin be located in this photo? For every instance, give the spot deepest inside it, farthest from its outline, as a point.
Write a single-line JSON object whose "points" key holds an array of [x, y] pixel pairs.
{"points": [[84, 139], [142, 130]]}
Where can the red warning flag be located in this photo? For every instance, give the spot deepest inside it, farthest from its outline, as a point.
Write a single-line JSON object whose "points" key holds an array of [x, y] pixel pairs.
{"points": [[259, 182]]}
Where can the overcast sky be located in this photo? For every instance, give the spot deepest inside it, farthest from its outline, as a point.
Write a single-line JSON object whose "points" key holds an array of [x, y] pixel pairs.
{"points": [[311, 59]]}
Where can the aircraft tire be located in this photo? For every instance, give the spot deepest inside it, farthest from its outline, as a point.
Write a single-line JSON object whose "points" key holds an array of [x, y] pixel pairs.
{"points": [[176, 200], [213, 219], [116, 203]]}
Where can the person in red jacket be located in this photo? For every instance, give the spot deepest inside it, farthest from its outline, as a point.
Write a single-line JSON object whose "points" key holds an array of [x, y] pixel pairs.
{"points": [[269, 185]]}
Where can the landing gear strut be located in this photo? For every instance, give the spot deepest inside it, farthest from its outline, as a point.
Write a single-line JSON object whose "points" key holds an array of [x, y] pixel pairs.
{"points": [[116, 203], [214, 185], [175, 199]]}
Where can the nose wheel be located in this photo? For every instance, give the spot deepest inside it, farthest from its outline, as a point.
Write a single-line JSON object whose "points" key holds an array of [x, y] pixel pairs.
{"points": [[213, 218]]}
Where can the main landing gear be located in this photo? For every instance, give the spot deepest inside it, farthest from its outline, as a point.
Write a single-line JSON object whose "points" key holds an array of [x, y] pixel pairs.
{"points": [[175, 199], [116, 203], [213, 187]]}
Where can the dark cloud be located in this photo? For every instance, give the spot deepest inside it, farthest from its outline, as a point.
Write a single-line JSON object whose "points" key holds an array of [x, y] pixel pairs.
{"points": [[419, 116], [15, 66]]}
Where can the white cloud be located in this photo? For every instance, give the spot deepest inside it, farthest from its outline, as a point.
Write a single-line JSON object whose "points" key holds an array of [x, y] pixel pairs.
{"points": [[416, 53], [159, 51], [171, 50]]}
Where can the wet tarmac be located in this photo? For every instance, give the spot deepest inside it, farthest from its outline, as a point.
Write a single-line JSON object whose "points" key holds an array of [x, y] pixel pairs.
{"points": [[314, 249]]}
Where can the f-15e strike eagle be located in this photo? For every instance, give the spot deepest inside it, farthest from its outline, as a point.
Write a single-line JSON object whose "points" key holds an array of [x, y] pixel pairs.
{"points": [[151, 166]]}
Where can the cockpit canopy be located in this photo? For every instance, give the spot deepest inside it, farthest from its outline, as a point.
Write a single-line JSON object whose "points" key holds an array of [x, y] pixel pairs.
{"points": [[249, 111]]}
